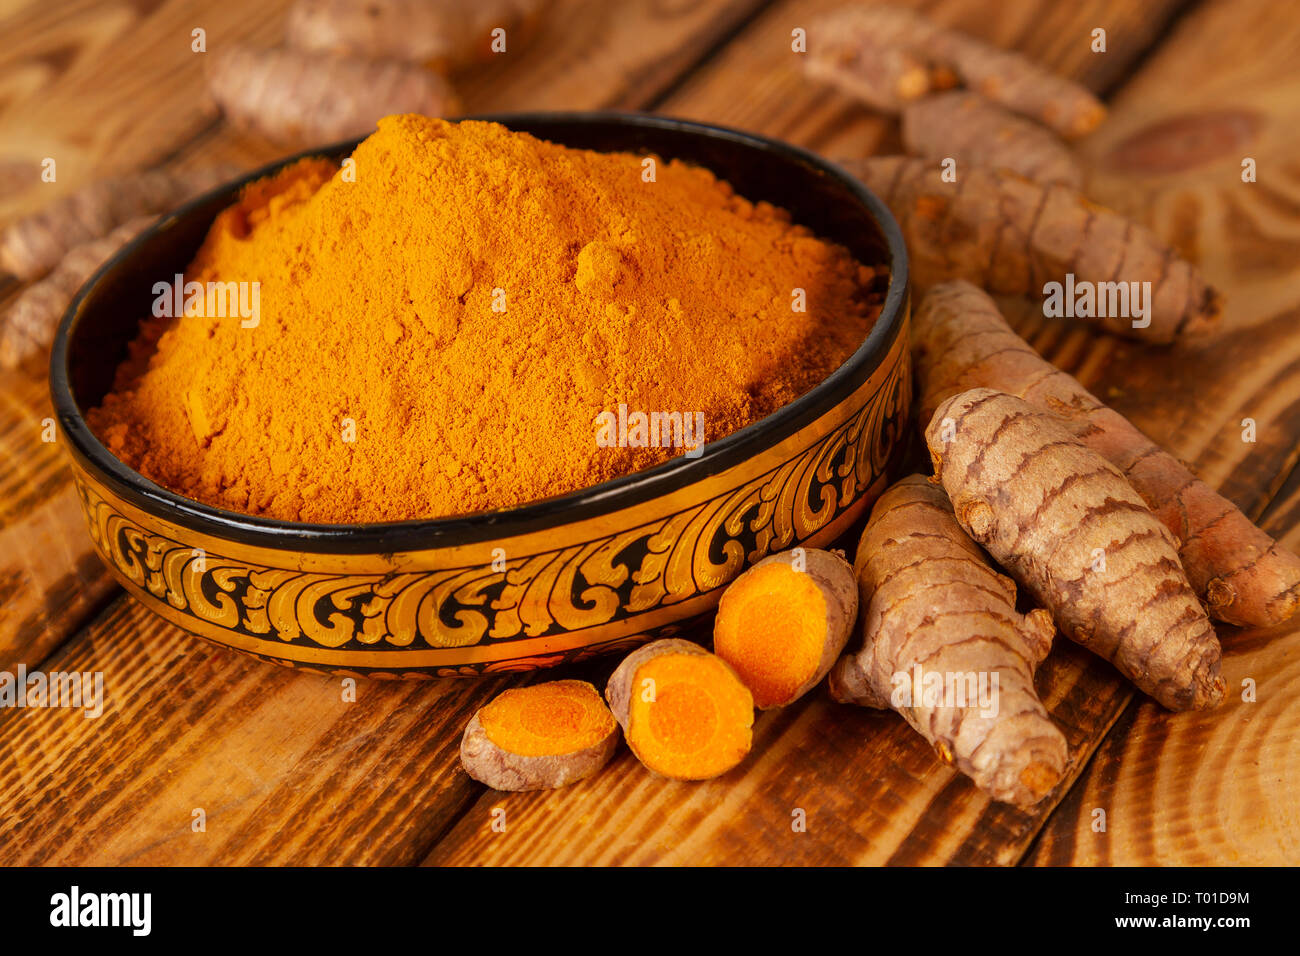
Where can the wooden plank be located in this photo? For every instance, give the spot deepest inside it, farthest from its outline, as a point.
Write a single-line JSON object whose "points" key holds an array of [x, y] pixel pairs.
{"points": [[1213, 788], [285, 770], [50, 578], [871, 789], [1205, 789], [64, 93], [106, 87], [255, 745]]}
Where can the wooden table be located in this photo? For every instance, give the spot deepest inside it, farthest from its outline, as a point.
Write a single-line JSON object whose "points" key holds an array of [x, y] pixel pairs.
{"points": [[285, 771]]}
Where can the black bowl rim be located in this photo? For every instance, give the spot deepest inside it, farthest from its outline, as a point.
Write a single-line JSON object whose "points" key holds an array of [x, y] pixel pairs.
{"points": [[615, 494]]}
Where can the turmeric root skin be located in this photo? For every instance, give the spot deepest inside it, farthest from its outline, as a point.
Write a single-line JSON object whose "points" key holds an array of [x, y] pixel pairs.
{"points": [[933, 602], [30, 322], [1011, 236], [1068, 526], [291, 96], [684, 712], [867, 58], [975, 132], [444, 36], [887, 55], [785, 621], [960, 341], [34, 245], [539, 737]]}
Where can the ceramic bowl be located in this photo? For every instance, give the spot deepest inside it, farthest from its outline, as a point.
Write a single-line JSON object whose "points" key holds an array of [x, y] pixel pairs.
{"points": [[557, 580]]}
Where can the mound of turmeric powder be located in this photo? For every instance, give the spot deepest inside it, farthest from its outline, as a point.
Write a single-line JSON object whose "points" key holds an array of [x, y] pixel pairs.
{"points": [[440, 327]]}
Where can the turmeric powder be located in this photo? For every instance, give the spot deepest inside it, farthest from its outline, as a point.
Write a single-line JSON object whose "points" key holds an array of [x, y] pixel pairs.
{"points": [[440, 331]]}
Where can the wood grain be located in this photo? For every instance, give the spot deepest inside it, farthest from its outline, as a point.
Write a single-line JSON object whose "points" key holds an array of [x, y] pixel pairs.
{"points": [[1221, 787], [872, 791], [289, 773], [1207, 789], [285, 770], [107, 87], [50, 578]]}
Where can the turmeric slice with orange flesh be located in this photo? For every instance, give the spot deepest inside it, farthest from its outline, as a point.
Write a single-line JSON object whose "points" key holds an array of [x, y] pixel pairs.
{"points": [[782, 624], [539, 737], [684, 712]]}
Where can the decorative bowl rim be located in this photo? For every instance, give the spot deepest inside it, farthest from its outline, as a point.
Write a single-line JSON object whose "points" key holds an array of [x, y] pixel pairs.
{"points": [[425, 533]]}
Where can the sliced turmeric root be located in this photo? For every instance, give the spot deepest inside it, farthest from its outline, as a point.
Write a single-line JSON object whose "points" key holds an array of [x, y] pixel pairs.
{"points": [[782, 624], [1068, 526], [934, 606], [539, 737], [960, 341], [684, 712]]}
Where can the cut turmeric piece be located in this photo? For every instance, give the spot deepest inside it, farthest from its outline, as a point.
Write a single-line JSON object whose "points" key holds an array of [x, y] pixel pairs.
{"points": [[1066, 524], [539, 737], [936, 610], [684, 712], [782, 624]]}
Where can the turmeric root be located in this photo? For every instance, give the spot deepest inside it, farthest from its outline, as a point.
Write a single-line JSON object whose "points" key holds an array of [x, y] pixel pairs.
{"points": [[784, 622], [975, 132], [443, 35], [938, 616], [1066, 524], [886, 56], [539, 737], [684, 712], [867, 56], [960, 341], [289, 96], [35, 244], [30, 322], [1010, 235]]}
